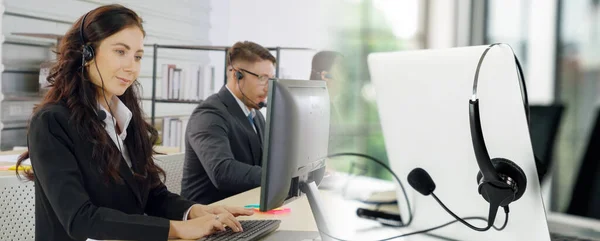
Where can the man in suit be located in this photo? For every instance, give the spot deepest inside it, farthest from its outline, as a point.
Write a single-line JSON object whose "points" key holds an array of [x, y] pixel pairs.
{"points": [[225, 132]]}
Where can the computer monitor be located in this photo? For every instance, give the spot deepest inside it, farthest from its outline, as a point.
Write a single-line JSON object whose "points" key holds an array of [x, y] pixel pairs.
{"points": [[423, 101], [295, 144]]}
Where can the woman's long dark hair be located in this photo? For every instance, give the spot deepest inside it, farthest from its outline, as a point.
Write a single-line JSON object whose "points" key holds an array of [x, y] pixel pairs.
{"points": [[69, 86], [322, 61]]}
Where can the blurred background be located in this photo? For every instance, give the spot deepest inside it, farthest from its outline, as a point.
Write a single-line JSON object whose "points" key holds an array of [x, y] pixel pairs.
{"points": [[557, 44], [555, 40]]}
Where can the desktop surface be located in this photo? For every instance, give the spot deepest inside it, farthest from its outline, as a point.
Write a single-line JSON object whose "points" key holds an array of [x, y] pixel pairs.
{"points": [[299, 222]]}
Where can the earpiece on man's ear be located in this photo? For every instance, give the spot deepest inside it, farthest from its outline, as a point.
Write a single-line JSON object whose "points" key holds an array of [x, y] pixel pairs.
{"points": [[326, 75]]}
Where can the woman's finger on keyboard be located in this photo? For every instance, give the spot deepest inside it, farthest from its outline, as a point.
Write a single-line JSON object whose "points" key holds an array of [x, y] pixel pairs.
{"points": [[218, 225], [231, 221]]}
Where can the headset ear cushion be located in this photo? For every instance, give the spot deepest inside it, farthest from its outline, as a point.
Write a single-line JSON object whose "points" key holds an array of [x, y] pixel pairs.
{"points": [[239, 75], [511, 169], [88, 53]]}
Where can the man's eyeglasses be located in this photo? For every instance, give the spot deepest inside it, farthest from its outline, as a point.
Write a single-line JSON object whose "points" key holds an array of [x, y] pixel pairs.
{"points": [[263, 79]]}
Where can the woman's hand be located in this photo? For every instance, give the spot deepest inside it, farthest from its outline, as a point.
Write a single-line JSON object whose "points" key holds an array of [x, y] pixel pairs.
{"points": [[196, 228], [225, 213], [198, 210], [235, 211]]}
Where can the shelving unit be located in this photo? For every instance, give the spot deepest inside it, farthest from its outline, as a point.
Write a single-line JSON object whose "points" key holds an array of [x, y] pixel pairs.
{"points": [[223, 49], [20, 90]]}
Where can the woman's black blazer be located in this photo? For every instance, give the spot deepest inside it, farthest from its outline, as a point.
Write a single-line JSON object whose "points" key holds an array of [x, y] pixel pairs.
{"points": [[72, 199]]}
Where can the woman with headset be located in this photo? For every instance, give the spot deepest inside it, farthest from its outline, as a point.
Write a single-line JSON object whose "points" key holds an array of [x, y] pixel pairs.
{"points": [[91, 149], [328, 66]]}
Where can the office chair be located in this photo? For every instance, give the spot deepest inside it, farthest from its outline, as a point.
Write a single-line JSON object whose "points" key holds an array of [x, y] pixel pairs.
{"points": [[585, 198], [173, 166], [17, 209], [545, 122]]}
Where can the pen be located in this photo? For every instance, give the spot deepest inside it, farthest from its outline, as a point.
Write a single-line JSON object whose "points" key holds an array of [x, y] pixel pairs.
{"points": [[385, 218]]}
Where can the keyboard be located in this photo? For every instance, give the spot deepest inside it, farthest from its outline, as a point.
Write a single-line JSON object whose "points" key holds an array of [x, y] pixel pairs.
{"points": [[561, 237], [253, 230]]}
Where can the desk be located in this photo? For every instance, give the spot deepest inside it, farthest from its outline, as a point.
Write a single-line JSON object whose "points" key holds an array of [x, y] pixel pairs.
{"points": [[341, 212], [301, 219], [8, 158]]}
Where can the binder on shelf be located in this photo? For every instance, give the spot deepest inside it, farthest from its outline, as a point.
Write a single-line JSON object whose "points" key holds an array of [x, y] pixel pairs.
{"points": [[167, 75], [173, 131], [184, 84], [183, 128], [166, 127], [176, 83]]}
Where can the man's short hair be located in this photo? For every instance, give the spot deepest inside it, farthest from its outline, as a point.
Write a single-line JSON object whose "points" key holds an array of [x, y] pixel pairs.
{"points": [[249, 52]]}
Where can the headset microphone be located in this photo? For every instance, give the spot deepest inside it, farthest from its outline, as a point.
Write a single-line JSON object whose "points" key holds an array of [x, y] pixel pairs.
{"points": [[260, 105], [238, 76], [420, 180], [101, 115]]}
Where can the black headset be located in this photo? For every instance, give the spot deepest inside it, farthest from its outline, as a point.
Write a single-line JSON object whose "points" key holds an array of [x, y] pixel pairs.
{"points": [[239, 75], [501, 181], [87, 51], [87, 54], [327, 74]]}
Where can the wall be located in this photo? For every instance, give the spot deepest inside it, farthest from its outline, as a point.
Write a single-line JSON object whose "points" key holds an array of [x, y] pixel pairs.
{"points": [[441, 24], [273, 23], [542, 51], [174, 22]]}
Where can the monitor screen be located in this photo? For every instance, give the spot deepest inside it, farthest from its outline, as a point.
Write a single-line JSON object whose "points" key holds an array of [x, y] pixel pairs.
{"points": [[295, 141]]}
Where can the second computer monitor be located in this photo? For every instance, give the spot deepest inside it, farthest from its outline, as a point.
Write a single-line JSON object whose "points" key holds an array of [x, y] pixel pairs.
{"points": [[295, 141]]}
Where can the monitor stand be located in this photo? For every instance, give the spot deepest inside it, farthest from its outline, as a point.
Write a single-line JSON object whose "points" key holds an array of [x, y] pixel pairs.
{"points": [[317, 208]]}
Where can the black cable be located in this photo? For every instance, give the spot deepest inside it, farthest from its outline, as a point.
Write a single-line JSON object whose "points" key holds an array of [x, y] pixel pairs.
{"points": [[109, 109], [240, 89], [430, 229], [505, 219], [506, 209], [389, 170], [457, 217]]}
